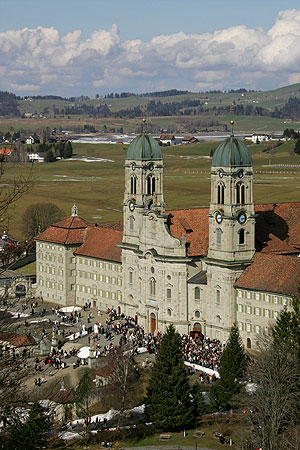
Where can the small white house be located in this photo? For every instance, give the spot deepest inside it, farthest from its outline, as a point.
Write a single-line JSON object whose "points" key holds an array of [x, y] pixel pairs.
{"points": [[35, 157], [167, 139], [258, 138]]}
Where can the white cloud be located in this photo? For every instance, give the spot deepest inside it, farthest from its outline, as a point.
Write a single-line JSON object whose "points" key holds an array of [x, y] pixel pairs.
{"points": [[42, 60]]}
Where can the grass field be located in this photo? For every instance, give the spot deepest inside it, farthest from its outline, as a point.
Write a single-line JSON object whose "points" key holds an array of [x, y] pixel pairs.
{"points": [[97, 187]]}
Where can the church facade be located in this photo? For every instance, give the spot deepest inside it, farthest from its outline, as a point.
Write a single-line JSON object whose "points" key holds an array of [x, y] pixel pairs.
{"points": [[201, 269]]}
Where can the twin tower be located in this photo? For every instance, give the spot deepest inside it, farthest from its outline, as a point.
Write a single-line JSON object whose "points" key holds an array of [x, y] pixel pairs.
{"points": [[163, 282]]}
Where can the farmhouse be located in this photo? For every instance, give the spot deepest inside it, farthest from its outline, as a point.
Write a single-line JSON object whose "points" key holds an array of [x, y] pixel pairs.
{"points": [[201, 269], [167, 139]]}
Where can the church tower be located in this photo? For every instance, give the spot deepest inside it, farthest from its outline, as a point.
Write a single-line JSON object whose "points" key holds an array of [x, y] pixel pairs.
{"points": [[143, 184], [154, 262], [231, 231]]}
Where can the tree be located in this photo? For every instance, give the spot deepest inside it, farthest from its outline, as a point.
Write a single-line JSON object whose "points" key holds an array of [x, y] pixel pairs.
{"points": [[121, 386], [83, 397], [68, 150], [28, 434], [232, 370], [287, 327], [272, 407], [168, 404], [297, 147], [38, 217], [49, 157]]}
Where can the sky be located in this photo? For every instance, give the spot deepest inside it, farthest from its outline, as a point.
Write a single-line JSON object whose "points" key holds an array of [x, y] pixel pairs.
{"points": [[89, 47]]}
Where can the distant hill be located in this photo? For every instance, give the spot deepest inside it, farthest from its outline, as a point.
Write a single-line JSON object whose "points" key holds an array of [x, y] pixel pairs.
{"points": [[277, 103]]}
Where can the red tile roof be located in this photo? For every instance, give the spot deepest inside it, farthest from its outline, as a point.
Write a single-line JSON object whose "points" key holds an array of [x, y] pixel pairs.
{"points": [[70, 231], [102, 243], [17, 340], [277, 231], [272, 273]]}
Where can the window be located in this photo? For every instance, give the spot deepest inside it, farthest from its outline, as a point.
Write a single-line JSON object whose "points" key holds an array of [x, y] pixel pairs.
{"points": [[241, 236], [218, 296], [257, 311], [169, 294], [275, 299], [240, 293], [219, 236], [257, 296], [248, 327], [240, 308], [248, 309], [240, 194], [152, 286], [267, 313], [257, 329], [150, 185], [133, 185], [221, 190], [197, 314], [284, 301], [130, 277], [131, 223], [275, 314], [266, 331], [248, 294], [197, 293], [240, 326], [72, 287], [267, 298]]}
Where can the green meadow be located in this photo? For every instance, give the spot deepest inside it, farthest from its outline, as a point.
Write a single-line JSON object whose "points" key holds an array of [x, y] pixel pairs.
{"points": [[97, 187]]}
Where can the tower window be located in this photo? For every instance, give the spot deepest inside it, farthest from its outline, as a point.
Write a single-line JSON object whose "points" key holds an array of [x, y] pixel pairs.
{"points": [[221, 191], [218, 296], [242, 236], [150, 185], [133, 185], [240, 194], [197, 293], [130, 277], [131, 223], [219, 236], [169, 294], [152, 286]]}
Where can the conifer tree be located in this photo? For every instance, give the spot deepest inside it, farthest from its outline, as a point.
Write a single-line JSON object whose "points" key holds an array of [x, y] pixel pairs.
{"points": [[168, 402], [232, 369]]}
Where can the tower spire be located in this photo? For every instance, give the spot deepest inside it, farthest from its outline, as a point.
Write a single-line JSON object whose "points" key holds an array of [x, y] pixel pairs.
{"points": [[74, 210]]}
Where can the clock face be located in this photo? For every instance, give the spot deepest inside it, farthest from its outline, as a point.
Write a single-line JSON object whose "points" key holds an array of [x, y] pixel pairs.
{"points": [[242, 218], [133, 166], [151, 166], [219, 217], [240, 174], [131, 206], [221, 173]]}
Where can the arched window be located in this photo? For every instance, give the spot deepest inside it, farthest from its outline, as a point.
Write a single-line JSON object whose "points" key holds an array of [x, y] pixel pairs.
{"points": [[221, 190], [150, 184], [152, 286], [240, 194], [218, 295], [242, 236], [169, 312], [219, 236], [131, 223], [133, 185], [197, 293], [197, 314]]}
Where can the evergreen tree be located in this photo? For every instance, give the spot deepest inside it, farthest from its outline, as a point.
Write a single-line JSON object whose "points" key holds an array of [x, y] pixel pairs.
{"points": [[29, 435], [68, 150], [287, 327], [83, 396], [168, 402], [200, 407], [232, 369], [49, 157], [297, 147]]}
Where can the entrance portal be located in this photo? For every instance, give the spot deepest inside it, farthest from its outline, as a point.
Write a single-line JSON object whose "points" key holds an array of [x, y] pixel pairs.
{"points": [[248, 343], [153, 322], [197, 331]]}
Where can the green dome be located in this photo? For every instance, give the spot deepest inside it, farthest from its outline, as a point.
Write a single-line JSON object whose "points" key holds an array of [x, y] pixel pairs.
{"points": [[144, 148], [232, 153]]}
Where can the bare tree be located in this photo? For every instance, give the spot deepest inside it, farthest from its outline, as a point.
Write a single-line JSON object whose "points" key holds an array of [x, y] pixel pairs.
{"points": [[272, 406], [121, 386], [40, 216]]}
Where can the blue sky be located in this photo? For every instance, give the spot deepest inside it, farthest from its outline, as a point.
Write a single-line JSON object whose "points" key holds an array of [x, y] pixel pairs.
{"points": [[90, 46]]}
